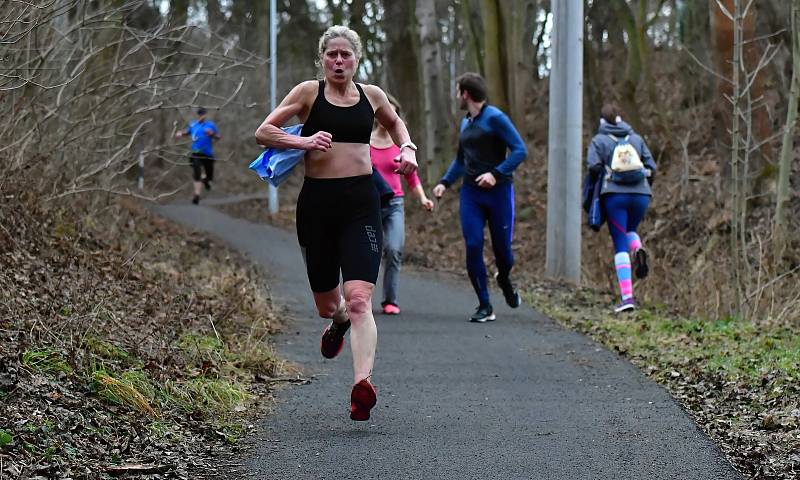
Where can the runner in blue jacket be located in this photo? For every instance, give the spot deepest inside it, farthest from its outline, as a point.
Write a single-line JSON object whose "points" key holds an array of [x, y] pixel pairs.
{"points": [[487, 134]]}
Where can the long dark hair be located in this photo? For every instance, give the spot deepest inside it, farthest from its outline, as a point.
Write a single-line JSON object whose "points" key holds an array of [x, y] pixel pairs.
{"points": [[610, 113]]}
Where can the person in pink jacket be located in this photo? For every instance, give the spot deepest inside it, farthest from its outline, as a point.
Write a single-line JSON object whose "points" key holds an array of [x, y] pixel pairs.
{"points": [[383, 153]]}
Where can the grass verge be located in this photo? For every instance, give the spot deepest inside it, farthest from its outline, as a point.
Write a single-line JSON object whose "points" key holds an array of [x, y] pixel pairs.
{"points": [[738, 379]]}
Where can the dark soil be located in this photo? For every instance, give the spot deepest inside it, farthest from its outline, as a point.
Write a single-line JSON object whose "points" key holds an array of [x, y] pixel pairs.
{"points": [[128, 346]]}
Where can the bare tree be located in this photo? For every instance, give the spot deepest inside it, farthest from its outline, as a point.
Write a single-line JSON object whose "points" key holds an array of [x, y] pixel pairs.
{"points": [[87, 82], [493, 54], [722, 41], [435, 116], [402, 61], [743, 145], [787, 149], [636, 21]]}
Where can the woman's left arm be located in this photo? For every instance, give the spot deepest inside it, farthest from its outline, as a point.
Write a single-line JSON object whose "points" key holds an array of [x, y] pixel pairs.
{"points": [[386, 116], [419, 192]]}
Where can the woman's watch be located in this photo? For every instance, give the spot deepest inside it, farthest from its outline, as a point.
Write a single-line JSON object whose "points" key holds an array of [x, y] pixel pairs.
{"points": [[408, 144]]}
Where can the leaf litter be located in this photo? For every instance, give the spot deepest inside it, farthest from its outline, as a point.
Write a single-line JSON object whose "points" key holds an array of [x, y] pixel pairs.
{"points": [[129, 347]]}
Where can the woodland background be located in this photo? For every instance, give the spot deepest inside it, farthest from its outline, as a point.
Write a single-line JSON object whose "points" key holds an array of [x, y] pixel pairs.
{"points": [[89, 89]]}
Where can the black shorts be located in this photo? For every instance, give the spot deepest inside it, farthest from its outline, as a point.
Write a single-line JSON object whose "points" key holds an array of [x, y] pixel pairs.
{"points": [[339, 229], [200, 162]]}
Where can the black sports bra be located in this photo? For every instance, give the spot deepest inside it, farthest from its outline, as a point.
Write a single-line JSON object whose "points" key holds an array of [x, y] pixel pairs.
{"points": [[351, 124]]}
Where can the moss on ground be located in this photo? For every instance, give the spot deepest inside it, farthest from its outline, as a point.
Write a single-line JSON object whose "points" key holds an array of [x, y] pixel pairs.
{"points": [[739, 379]]}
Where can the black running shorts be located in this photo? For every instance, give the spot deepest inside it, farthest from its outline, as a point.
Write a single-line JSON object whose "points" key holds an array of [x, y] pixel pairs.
{"points": [[200, 162], [339, 230]]}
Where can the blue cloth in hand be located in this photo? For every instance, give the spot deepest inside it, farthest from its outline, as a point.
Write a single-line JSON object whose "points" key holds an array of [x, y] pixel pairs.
{"points": [[274, 165]]}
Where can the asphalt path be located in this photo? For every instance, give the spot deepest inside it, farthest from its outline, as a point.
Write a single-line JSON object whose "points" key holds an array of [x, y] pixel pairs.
{"points": [[519, 398]]}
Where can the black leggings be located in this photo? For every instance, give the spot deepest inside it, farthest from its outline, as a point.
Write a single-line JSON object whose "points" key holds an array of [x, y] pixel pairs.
{"points": [[339, 229], [200, 162]]}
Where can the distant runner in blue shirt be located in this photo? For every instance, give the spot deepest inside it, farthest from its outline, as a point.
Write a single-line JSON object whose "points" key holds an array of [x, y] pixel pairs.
{"points": [[488, 191], [203, 132]]}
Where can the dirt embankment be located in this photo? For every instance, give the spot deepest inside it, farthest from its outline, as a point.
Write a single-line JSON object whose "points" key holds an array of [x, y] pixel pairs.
{"points": [[127, 344]]}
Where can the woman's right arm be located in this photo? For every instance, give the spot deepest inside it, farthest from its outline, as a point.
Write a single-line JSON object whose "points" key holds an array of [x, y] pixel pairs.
{"points": [[296, 103]]}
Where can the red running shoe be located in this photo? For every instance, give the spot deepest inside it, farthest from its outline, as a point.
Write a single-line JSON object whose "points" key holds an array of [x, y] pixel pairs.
{"points": [[333, 339], [362, 399]]}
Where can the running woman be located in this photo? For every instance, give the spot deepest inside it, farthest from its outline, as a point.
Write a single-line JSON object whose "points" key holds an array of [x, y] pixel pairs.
{"points": [[383, 151], [338, 210], [488, 190], [203, 132], [624, 196]]}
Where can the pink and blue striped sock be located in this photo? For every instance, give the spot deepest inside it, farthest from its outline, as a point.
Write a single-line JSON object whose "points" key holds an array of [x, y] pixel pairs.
{"points": [[623, 263], [634, 242]]}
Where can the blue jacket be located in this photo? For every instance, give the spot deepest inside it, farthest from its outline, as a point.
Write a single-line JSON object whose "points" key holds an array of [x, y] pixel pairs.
{"points": [[595, 216], [482, 147], [602, 147]]}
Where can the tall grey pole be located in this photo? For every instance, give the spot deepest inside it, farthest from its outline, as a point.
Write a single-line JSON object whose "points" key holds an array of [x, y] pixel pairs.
{"points": [[563, 250], [273, 68]]}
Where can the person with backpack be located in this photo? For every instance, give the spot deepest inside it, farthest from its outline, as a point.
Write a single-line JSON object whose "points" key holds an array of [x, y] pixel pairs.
{"points": [[620, 158]]}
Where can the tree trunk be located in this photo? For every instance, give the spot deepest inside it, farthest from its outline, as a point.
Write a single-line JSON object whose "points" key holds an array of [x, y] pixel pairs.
{"points": [[337, 12], [178, 12], [633, 68], [593, 51], [693, 33], [493, 53], [216, 19], [435, 116], [402, 63], [356, 14], [642, 24], [473, 41], [297, 58], [518, 41], [722, 35], [787, 149]]}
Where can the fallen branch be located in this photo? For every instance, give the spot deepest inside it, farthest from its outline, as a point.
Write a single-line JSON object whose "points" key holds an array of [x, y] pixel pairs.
{"points": [[139, 468]]}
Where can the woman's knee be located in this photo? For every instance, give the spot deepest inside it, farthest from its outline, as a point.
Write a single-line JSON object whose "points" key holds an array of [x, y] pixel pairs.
{"points": [[474, 249], [393, 255], [328, 303], [327, 309], [359, 298]]}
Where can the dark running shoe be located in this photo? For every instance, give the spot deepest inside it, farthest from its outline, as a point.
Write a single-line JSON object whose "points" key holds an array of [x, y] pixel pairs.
{"points": [[640, 267], [362, 399], [509, 291], [483, 314], [196, 199], [627, 305], [333, 339], [207, 183]]}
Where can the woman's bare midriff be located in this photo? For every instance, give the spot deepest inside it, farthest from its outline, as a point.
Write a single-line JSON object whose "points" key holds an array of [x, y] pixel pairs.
{"points": [[342, 160]]}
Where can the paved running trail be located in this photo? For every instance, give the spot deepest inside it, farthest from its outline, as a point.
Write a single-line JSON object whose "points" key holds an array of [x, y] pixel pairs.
{"points": [[519, 398]]}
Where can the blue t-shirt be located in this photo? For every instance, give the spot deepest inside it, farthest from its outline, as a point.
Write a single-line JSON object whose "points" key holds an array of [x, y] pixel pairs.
{"points": [[201, 141]]}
